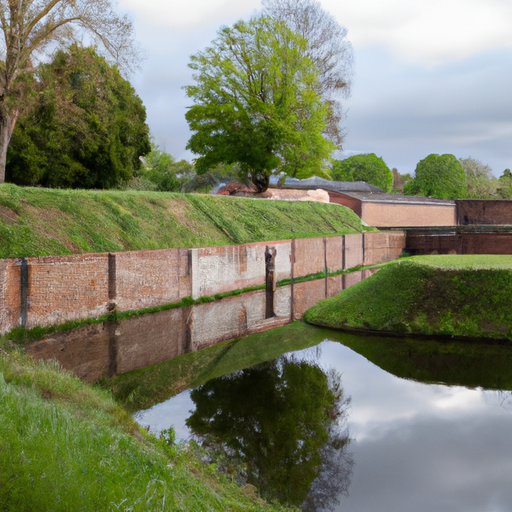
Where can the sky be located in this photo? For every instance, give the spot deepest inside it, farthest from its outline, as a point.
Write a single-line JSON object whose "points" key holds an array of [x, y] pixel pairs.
{"points": [[430, 76]]}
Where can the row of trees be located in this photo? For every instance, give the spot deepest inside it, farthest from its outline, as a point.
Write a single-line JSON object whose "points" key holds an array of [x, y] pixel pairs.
{"points": [[266, 96]]}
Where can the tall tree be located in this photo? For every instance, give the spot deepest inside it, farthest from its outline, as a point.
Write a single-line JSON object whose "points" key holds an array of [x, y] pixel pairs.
{"points": [[481, 184], [328, 48], [256, 103], [370, 168], [85, 129], [31, 28], [440, 176]]}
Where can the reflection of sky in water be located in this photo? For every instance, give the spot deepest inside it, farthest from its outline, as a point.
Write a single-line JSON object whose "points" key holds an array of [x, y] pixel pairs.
{"points": [[416, 447]]}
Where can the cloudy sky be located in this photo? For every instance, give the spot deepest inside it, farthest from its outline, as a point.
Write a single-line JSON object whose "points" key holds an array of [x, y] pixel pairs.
{"points": [[431, 76]]}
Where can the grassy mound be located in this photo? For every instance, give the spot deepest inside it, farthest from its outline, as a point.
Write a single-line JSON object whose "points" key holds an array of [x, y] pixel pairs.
{"points": [[40, 222], [68, 446], [434, 295]]}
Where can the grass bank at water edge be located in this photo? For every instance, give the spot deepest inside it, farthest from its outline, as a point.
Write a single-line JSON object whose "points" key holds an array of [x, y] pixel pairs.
{"points": [[66, 446], [42, 222], [433, 295]]}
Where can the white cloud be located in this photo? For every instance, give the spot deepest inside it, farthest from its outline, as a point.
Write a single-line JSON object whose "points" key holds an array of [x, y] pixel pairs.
{"points": [[429, 32], [192, 14]]}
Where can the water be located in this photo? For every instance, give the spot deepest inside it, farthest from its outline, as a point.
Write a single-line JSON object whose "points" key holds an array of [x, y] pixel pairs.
{"points": [[414, 446]]}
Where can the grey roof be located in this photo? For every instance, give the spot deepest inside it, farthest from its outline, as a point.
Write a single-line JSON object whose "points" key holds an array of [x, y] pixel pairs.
{"points": [[334, 186], [357, 189]]}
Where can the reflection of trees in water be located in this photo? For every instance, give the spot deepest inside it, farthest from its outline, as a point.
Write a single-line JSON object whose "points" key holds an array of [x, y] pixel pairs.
{"points": [[282, 425], [499, 397]]}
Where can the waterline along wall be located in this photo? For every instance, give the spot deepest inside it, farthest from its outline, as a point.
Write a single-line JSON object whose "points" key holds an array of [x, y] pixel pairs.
{"points": [[45, 291]]}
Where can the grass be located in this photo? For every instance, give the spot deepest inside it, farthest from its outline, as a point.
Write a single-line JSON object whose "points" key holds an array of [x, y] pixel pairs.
{"points": [[65, 446], [432, 295], [41, 222]]}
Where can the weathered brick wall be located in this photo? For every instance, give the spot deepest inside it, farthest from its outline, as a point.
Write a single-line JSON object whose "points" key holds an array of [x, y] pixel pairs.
{"points": [[382, 247], [309, 256], [64, 288], [10, 296], [463, 243], [222, 269], [483, 211], [384, 215], [151, 278], [334, 253], [353, 251]]}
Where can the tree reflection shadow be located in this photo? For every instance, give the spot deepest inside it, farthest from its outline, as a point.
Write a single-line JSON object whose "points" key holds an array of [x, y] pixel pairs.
{"points": [[280, 426]]}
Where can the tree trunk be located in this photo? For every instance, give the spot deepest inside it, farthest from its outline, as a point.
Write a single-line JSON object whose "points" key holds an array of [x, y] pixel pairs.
{"points": [[7, 123]]}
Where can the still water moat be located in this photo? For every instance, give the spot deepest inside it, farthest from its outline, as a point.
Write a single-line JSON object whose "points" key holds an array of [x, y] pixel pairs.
{"points": [[354, 423]]}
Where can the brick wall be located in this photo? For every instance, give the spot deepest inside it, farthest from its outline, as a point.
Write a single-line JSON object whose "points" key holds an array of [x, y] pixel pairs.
{"points": [[381, 247], [150, 278], [462, 243], [64, 288], [353, 251], [483, 211], [385, 215], [10, 296]]}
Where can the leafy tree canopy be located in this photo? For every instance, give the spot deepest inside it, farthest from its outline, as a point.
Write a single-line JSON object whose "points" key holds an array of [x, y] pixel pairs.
{"points": [[256, 104], [440, 176], [328, 48], [32, 28], [370, 168], [86, 127], [480, 182]]}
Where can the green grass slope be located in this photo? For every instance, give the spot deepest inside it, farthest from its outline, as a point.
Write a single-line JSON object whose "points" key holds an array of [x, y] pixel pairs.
{"points": [[39, 222], [433, 295], [67, 446]]}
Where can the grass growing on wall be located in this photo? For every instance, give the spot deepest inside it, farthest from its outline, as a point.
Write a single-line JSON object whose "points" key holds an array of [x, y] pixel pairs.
{"points": [[434, 295], [38, 222], [68, 446]]}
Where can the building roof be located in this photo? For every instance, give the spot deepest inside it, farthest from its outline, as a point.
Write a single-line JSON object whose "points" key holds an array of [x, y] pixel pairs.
{"points": [[361, 190], [333, 186]]}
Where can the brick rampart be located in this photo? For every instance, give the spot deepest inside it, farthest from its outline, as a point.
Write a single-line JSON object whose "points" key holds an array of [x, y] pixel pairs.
{"points": [[61, 288], [386, 215], [484, 212], [458, 243], [64, 288], [150, 278]]}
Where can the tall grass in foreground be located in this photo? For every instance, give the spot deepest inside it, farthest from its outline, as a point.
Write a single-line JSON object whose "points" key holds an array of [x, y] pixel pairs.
{"points": [[65, 446]]}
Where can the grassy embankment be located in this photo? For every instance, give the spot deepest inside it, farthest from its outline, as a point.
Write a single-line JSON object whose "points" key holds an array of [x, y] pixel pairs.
{"points": [[432, 295], [66, 446], [40, 222]]}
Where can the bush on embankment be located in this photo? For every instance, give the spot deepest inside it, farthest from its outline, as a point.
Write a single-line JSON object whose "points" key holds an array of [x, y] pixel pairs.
{"points": [[65, 446], [40, 222], [433, 295]]}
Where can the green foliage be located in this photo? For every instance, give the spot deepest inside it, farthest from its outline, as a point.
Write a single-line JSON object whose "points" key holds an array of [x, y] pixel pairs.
{"points": [[440, 176], [369, 168], [37, 222], [256, 104], [160, 172], [439, 295], [86, 129], [480, 182], [67, 446], [504, 185]]}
